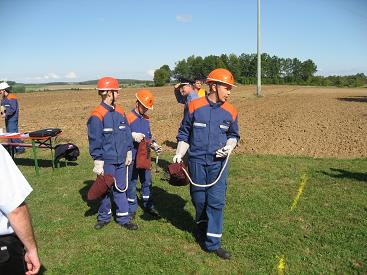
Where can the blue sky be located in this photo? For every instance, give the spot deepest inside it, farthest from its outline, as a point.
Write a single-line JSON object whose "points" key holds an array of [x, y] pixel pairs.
{"points": [[76, 40]]}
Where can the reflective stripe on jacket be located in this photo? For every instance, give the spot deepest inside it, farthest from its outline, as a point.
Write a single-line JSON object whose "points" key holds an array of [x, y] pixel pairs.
{"points": [[206, 126], [109, 134]]}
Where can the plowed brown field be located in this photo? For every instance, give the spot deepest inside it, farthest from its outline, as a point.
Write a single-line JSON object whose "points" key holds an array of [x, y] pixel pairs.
{"points": [[288, 120]]}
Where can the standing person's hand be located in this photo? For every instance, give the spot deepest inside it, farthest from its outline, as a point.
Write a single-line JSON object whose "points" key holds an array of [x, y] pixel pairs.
{"points": [[32, 261], [181, 150], [98, 167], [156, 147], [227, 149], [137, 137]]}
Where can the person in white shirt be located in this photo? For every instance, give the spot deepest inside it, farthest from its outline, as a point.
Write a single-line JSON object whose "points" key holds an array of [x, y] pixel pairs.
{"points": [[18, 248]]}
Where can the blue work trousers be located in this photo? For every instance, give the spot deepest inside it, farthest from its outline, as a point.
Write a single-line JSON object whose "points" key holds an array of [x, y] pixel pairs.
{"points": [[118, 171], [209, 202], [145, 177], [12, 127]]}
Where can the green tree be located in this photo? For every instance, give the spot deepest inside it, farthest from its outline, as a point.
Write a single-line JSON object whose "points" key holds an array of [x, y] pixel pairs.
{"points": [[309, 68], [161, 77], [181, 70]]}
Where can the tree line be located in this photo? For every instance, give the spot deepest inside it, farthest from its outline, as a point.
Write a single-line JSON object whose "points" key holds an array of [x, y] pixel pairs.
{"points": [[274, 70]]}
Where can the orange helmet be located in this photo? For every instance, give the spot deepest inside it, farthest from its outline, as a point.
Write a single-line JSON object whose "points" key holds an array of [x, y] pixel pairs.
{"points": [[146, 98], [107, 84], [222, 76]]}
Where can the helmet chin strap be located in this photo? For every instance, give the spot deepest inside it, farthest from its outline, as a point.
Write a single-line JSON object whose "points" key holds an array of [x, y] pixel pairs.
{"points": [[113, 98], [216, 91], [138, 107]]}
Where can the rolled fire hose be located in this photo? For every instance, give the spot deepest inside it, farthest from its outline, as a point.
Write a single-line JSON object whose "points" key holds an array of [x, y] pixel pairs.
{"points": [[214, 182], [127, 181]]}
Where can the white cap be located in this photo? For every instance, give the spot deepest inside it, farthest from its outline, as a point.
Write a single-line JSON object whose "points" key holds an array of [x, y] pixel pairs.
{"points": [[4, 85]]}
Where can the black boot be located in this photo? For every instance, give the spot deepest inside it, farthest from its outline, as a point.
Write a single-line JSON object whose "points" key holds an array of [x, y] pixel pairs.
{"points": [[130, 226], [100, 224], [222, 253], [153, 212]]}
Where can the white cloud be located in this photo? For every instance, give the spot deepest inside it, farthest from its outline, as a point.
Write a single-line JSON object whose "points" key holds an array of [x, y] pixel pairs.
{"points": [[184, 18], [70, 75], [151, 72], [49, 76]]}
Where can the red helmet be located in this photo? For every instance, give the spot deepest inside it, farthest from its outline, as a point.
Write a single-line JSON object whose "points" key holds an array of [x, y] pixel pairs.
{"points": [[108, 84], [146, 98], [222, 76]]}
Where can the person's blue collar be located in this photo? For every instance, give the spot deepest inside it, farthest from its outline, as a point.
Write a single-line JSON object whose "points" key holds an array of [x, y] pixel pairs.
{"points": [[108, 107], [212, 104], [137, 113]]}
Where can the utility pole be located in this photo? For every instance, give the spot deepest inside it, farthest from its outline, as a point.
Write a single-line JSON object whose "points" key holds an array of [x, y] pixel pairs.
{"points": [[258, 90]]}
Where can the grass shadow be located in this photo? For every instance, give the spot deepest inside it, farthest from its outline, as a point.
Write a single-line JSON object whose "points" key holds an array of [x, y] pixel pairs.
{"points": [[354, 99], [341, 174], [30, 162], [93, 205], [66, 163], [172, 208]]}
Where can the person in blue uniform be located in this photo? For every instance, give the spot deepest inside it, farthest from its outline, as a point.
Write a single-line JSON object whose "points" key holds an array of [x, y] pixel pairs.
{"points": [[209, 132], [140, 128], [184, 91], [10, 112], [110, 146]]}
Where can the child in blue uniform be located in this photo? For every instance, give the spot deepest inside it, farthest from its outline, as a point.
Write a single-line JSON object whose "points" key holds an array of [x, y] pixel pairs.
{"points": [[110, 146], [209, 131], [140, 128]]}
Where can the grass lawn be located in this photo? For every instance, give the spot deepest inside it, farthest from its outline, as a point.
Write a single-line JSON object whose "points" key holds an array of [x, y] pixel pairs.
{"points": [[325, 232]]}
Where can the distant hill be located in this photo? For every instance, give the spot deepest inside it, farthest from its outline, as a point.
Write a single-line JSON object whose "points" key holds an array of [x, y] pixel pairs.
{"points": [[88, 82], [121, 81], [60, 85]]}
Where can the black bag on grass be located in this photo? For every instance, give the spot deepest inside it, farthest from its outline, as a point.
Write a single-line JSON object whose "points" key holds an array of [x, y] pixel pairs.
{"points": [[49, 132], [68, 151]]}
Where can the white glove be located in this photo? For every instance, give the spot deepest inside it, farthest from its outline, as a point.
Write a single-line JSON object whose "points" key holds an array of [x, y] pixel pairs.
{"points": [[129, 158], [181, 150], [98, 167], [156, 147], [2, 109], [137, 137], [224, 151]]}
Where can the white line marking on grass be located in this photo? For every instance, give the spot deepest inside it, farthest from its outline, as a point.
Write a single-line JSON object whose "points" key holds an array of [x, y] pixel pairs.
{"points": [[281, 265], [304, 179]]}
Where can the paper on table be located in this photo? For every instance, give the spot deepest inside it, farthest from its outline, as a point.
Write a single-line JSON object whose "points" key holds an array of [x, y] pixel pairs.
{"points": [[9, 134]]}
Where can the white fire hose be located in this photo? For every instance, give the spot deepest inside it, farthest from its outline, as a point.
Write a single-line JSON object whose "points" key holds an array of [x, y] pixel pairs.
{"points": [[127, 181], [214, 182]]}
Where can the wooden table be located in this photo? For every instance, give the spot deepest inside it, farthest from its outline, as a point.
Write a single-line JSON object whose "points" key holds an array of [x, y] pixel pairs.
{"points": [[35, 143]]}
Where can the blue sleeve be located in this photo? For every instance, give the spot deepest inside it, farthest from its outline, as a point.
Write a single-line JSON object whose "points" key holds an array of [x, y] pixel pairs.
{"points": [[130, 144], [95, 137], [191, 96], [11, 106], [233, 131], [150, 131], [185, 128]]}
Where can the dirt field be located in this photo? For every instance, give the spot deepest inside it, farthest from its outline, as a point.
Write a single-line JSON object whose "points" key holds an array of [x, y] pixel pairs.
{"points": [[288, 120]]}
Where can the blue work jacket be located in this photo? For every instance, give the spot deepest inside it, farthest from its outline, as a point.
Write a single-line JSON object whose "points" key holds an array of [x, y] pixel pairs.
{"points": [[206, 127], [12, 110], [139, 124], [109, 134]]}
